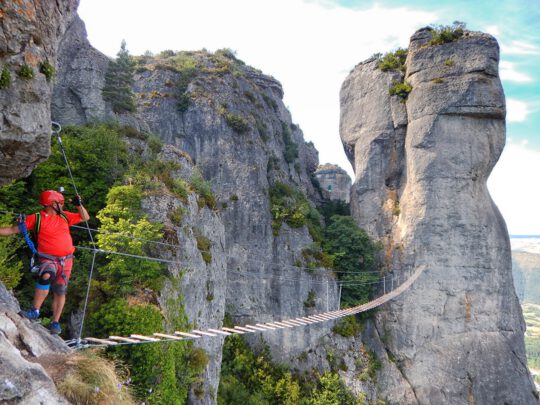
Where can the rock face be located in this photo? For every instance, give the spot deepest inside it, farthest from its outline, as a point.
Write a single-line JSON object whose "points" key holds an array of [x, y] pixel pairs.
{"points": [[29, 35], [23, 381], [239, 134], [81, 75], [421, 168], [335, 182]]}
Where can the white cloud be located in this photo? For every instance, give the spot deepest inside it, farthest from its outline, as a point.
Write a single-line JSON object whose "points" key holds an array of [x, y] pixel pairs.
{"points": [[493, 30], [309, 47], [516, 110], [509, 72], [513, 187], [519, 48]]}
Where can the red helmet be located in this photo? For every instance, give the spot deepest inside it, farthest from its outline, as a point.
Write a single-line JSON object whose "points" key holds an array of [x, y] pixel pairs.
{"points": [[49, 197]]}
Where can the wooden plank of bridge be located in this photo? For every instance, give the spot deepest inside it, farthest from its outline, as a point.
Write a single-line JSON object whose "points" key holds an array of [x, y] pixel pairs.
{"points": [[282, 324], [275, 325], [101, 341], [292, 324], [124, 339], [255, 328], [146, 338], [200, 332], [191, 335], [266, 326], [233, 330], [164, 335], [219, 332], [244, 329]]}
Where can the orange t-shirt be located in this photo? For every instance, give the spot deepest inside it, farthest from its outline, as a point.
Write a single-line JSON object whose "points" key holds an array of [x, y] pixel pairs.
{"points": [[54, 237]]}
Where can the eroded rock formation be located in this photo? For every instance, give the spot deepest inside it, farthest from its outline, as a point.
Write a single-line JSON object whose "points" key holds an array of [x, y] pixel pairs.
{"points": [[29, 35], [421, 170]]}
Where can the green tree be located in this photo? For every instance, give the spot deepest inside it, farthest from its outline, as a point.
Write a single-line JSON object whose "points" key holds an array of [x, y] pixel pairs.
{"points": [[10, 265], [124, 228], [354, 258], [119, 81]]}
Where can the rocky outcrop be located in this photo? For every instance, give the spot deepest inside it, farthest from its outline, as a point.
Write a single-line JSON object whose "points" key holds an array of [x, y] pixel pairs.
{"points": [[22, 380], [29, 35], [81, 70], [421, 168], [334, 181]]}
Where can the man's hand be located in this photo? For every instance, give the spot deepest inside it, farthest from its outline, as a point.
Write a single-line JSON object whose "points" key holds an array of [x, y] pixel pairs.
{"points": [[77, 200]]}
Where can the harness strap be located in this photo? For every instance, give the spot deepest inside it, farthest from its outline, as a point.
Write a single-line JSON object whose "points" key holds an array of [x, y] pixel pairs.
{"points": [[24, 231]]}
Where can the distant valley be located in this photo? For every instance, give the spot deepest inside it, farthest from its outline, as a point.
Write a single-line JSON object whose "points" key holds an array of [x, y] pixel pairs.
{"points": [[526, 271]]}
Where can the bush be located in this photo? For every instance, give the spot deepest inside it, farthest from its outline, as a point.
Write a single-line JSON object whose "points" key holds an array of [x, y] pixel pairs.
{"points": [[311, 300], [348, 327], [401, 90], [5, 78], [26, 72], [291, 148], [203, 189], [393, 60], [47, 69], [354, 258], [236, 122], [203, 244], [442, 34], [10, 265]]}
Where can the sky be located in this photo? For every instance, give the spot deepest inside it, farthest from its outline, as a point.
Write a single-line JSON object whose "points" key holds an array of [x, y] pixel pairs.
{"points": [[310, 46]]}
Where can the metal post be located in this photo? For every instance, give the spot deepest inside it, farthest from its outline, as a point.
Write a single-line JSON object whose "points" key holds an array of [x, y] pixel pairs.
{"points": [[384, 285], [339, 297], [327, 295], [392, 282]]}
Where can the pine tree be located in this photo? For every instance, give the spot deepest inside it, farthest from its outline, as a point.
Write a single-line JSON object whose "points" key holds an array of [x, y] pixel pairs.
{"points": [[119, 82]]}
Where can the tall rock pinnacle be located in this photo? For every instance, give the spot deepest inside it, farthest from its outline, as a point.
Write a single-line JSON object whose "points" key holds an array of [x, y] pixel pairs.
{"points": [[421, 170]]}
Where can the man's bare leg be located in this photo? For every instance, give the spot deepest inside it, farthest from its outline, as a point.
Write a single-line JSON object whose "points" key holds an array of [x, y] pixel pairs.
{"points": [[39, 297], [58, 306]]}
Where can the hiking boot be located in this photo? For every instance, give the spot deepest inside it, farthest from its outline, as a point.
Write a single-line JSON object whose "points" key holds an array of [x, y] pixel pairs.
{"points": [[31, 314], [55, 328]]}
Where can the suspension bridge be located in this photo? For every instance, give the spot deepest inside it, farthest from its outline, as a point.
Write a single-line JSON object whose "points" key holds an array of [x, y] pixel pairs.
{"points": [[274, 326]]}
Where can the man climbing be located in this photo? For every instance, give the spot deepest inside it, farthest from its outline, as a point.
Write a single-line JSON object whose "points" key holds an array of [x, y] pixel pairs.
{"points": [[55, 251]]}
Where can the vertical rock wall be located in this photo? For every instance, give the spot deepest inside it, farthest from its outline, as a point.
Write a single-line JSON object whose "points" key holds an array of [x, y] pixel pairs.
{"points": [[29, 35], [421, 169]]}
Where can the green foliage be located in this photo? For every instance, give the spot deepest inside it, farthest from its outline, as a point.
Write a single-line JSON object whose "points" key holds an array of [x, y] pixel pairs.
{"points": [[203, 189], [331, 391], [236, 122], [203, 244], [393, 61], [119, 82], [176, 215], [442, 34], [251, 378], [187, 68], [329, 208], [292, 207], [26, 72], [291, 148], [400, 89], [348, 327], [155, 144], [159, 373], [98, 159], [121, 217], [47, 69], [5, 78], [449, 62], [354, 255], [10, 265], [311, 300]]}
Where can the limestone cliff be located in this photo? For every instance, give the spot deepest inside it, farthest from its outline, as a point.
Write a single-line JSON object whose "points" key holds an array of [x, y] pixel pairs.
{"points": [[421, 169], [29, 36], [231, 120]]}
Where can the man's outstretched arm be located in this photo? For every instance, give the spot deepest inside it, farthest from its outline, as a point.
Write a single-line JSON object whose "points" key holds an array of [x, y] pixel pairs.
{"points": [[9, 230]]}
